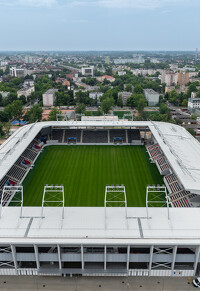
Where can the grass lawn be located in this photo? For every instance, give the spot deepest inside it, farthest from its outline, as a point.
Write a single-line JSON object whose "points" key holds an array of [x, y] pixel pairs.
{"points": [[120, 114], [86, 170]]}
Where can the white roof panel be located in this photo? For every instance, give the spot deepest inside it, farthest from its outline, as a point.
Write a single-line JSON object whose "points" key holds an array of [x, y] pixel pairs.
{"points": [[87, 225]]}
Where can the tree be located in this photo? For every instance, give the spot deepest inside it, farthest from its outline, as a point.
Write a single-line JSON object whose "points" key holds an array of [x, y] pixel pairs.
{"points": [[34, 114], [1, 100], [140, 105], [163, 108], [120, 101], [106, 104], [184, 103], [6, 127], [1, 129], [191, 131], [192, 88], [80, 109], [130, 101], [52, 114], [193, 117], [17, 109], [129, 87], [138, 89], [23, 99]]}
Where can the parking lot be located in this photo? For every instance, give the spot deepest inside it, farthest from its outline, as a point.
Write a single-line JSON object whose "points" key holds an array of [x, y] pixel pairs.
{"points": [[26, 283]]}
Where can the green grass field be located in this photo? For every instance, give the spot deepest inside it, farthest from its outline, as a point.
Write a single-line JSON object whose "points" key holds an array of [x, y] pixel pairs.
{"points": [[86, 170]]}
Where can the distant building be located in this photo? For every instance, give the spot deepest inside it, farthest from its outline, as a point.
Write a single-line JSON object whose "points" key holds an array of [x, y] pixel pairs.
{"points": [[107, 60], [151, 96], [28, 83], [193, 94], [4, 63], [28, 59], [193, 103], [121, 73], [49, 97], [169, 78], [25, 91], [108, 78], [125, 95], [63, 81], [15, 72], [183, 78], [70, 76], [87, 71], [137, 59], [95, 95]]}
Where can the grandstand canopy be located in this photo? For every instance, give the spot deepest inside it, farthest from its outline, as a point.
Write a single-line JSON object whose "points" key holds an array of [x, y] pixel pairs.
{"points": [[87, 225]]}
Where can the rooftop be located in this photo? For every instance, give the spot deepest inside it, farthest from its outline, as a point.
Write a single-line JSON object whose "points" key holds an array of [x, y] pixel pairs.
{"points": [[89, 225], [51, 91]]}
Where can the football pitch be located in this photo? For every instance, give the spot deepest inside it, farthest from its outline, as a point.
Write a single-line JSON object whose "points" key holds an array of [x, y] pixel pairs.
{"points": [[86, 170]]}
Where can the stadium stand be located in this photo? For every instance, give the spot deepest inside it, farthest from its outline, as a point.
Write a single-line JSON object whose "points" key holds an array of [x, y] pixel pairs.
{"points": [[17, 172], [133, 134], [57, 134], [179, 197], [72, 133], [154, 152], [114, 133], [93, 136]]}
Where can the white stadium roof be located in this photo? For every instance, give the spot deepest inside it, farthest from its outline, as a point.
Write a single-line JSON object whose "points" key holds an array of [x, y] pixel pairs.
{"points": [[87, 224], [181, 149]]}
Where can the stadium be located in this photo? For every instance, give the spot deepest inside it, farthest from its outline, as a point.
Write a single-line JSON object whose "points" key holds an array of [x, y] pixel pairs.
{"points": [[100, 198]]}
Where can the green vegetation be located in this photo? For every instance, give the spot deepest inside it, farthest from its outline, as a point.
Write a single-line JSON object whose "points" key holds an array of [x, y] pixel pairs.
{"points": [[86, 170], [120, 114]]}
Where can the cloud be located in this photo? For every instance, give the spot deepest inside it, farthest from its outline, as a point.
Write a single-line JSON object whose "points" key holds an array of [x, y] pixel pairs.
{"points": [[37, 3], [32, 3], [137, 4]]}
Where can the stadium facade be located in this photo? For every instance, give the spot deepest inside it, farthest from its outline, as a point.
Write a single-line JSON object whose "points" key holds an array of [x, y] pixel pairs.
{"points": [[115, 241]]}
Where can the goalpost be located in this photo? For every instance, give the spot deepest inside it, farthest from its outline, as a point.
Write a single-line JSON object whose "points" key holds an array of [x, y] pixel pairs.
{"points": [[117, 140], [72, 140]]}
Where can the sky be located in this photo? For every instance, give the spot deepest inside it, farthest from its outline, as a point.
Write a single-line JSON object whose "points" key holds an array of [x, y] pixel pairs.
{"points": [[129, 25]]}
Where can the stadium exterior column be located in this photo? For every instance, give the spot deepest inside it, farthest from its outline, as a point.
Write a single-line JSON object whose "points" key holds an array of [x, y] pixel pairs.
{"points": [[13, 249], [37, 256], [59, 257], [173, 258], [105, 251], [82, 258], [197, 252], [128, 257], [150, 259]]}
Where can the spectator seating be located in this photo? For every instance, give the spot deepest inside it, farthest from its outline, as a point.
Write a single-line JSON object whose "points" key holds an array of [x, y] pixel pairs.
{"points": [[133, 134], [17, 172], [72, 133], [117, 133], [57, 134], [93, 136]]}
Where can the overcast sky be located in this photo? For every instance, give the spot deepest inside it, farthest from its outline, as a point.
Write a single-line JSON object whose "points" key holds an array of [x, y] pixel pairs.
{"points": [[99, 24]]}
